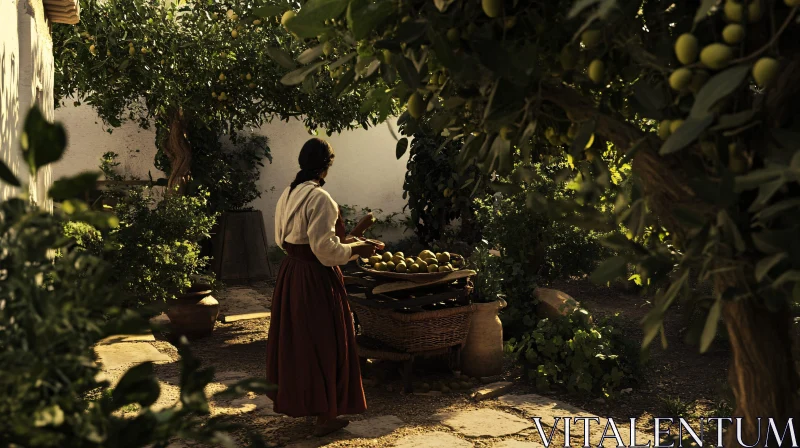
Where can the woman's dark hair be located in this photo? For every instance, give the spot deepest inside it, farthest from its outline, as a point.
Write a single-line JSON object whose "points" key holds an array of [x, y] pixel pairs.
{"points": [[316, 156]]}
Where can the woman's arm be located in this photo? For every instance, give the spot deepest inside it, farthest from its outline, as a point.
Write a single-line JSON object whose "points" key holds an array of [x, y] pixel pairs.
{"points": [[322, 215]]}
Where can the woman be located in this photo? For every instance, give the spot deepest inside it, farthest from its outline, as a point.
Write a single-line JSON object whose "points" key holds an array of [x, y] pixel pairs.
{"points": [[311, 350]]}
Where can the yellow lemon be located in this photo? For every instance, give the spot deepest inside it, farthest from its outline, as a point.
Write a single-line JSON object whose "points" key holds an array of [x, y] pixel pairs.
{"points": [[433, 268], [453, 35], [764, 71], [492, 8], [733, 34], [716, 56], [415, 105], [401, 267], [257, 22], [408, 261], [664, 129], [287, 16], [679, 79], [675, 125], [443, 257], [375, 259], [387, 256], [234, 34], [445, 269], [590, 38], [327, 48], [222, 76], [413, 267], [423, 265], [686, 48], [597, 71], [131, 51], [248, 76]]}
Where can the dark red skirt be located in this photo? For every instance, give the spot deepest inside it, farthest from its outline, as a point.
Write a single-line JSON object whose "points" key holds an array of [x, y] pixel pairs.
{"points": [[311, 351]]}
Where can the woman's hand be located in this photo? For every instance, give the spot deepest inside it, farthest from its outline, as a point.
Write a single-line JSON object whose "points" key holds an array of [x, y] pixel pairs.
{"points": [[363, 249]]}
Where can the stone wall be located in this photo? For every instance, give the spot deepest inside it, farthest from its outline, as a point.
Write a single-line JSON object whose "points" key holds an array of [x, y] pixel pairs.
{"points": [[26, 79], [366, 172]]}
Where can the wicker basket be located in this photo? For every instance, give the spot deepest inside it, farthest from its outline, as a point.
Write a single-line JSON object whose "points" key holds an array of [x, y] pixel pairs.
{"points": [[415, 332]]}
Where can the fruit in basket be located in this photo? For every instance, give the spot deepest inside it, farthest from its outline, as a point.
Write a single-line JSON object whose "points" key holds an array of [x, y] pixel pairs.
{"points": [[426, 255], [387, 256], [390, 266], [399, 254], [445, 268], [456, 262], [381, 266], [433, 268], [401, 267], [409, 261], [413, 267], [443, 257], [375, 259], [423, 265]]}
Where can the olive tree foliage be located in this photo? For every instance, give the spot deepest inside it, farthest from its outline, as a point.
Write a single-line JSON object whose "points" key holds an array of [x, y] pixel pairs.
{"points": [[698, 96], [196, 63]]}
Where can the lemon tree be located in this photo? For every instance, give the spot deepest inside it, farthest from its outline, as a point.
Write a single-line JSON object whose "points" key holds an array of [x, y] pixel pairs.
{"points": [[190, 64], [704, 117]]}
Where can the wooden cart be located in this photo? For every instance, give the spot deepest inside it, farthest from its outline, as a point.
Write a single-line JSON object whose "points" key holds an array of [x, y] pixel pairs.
{"points": [[402, 321]]}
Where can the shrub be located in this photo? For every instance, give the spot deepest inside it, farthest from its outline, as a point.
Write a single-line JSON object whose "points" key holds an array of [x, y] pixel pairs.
{"points": [[55, 304], [437, 193], [382, 223], [575, 354], [155, 250]]}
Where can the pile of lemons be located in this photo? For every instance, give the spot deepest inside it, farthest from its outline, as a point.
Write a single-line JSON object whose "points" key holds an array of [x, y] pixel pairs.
{"points": [[718, 55], [425, 262]]}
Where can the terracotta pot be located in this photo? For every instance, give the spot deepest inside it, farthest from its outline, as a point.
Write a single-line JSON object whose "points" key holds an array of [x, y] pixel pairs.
{"points": [[482, 354], [194, 313]]}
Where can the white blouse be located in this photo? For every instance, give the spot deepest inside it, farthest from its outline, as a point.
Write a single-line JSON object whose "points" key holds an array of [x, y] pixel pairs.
{"points": [[307, 215]]}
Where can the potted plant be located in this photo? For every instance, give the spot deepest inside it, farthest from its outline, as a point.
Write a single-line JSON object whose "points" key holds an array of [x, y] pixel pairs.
{"points": [[194, 311], [482, 354]]}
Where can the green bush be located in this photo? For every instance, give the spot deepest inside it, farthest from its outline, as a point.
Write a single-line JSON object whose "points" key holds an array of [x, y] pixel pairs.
{"points": [[382, 223], [437, 193], [56, 302], [155, 251], [575, 354]]}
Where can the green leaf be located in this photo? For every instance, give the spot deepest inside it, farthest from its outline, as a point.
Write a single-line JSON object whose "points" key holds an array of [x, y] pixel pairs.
{"points": [[788, 276], [766, 264], [774, 210], [362, 20], [402, 146], [310, 21], [344, 82], [310, 55], [768, 242], [42, 142], [609, 270], [137, 385], [281, 57], [702, 11], [717, 88], [672, 292], [651, 99], [685, 134], [579, 6], [733, 120], [443, 51], [757, 178], [343, 60], [765, 193], [269, 11], [729, 228], [73, 187], [7, 176], [297, 76], [652, 324], [710, 330], [408, 73]]}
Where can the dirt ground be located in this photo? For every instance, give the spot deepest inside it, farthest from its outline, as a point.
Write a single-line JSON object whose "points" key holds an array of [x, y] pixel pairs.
{"points": [[674, 381]]}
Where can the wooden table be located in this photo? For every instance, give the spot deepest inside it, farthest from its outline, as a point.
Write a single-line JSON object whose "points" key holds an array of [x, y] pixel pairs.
{"points": [[361, 289]]}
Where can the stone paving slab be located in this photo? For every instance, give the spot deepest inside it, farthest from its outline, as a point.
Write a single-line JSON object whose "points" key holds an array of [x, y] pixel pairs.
{"points": [[432, 440], [493, 390], [241, 300], [374, 427], [260, 404], [548, 409], [121, 354], [147, 337], [484, 423]]}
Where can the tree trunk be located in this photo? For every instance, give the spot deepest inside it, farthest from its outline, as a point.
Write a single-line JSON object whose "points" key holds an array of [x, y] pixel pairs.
{"points": [[177, 149], [762, 373]]}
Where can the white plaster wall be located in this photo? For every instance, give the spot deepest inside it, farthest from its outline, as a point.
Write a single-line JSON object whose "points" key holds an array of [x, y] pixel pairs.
{"points": [[26, 79], [366, 172]]}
